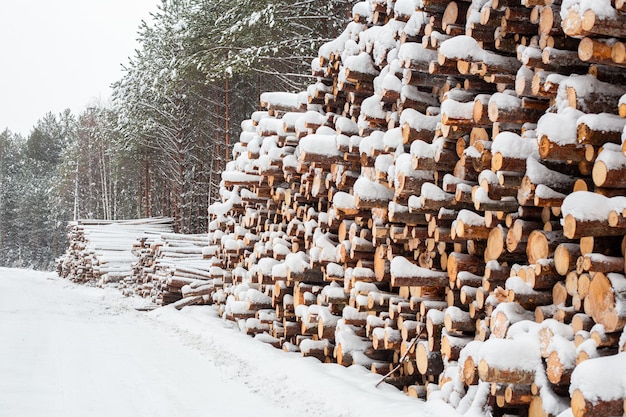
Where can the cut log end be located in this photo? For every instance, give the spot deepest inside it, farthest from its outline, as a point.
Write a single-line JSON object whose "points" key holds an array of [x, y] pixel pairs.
{"points": [[582, 407]]}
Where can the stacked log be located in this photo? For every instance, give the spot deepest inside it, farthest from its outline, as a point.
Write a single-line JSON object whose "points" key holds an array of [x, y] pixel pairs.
{"points": [[444, 206], [168, 263], [101, 251], [433, 201]]}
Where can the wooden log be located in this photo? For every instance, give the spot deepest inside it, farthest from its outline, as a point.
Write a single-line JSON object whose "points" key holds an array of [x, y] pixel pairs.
{"points": [[458, 262], [529, 299], [542, 244], [470, 225], [491, 373], [517, 394], [429, 362], [602, 24], [596, 51], [592, 95], [605, 299], [558, 368], [457, 320], [550, 150], [451, 346], [510, 313], [508, 109], [407, 274], [609, 170], [574, 228], [565, 257], [583, 407], [611, 246], [596, 262], [618, 53]]}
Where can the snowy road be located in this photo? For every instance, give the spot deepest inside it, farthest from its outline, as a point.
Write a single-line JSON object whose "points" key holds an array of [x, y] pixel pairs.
{"points": [[71, 351]]}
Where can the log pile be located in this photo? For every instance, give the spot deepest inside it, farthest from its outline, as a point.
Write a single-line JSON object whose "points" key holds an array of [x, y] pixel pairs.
{"points": [[145, 258], [100, 251], [170, 266], [449, 192]]}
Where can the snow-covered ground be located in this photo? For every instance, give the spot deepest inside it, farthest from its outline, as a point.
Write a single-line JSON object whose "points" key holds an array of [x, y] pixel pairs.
{"points": [[70, 350]]}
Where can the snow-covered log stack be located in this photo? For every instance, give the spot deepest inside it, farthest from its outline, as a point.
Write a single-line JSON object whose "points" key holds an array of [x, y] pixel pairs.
{"points": [[101, 251], [451, 189], [144, 257], [446, 201], [172, 267]]}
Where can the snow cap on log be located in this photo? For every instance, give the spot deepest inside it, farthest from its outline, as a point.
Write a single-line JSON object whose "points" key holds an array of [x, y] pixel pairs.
{"points": [[461, 47], [317, 144], [366, 190], [601, 379], [362, 64], [586, 206], [559, 127], [512, 145], [281, 100], [344, 200]]}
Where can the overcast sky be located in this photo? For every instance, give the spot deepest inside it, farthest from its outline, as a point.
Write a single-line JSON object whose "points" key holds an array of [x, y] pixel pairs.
{"points": [[63, 54]]}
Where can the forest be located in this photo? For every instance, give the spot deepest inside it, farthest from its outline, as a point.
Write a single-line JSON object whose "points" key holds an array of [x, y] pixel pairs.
{"points": [[159, 146]]}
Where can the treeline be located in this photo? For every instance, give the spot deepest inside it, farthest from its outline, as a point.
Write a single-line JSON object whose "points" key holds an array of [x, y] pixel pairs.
{"points": [[158, 148]]}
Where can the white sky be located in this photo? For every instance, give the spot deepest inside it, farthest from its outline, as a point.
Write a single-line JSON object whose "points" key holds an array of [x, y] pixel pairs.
{"points": [[63, 54]]}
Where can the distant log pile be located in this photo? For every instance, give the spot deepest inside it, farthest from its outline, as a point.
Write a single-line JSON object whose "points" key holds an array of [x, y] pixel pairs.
{"points": [[143, 257], [446, 202], [100, 251]]}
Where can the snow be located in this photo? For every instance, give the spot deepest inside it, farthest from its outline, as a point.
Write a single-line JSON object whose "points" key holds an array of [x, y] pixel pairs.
{"points": [[391, 82], [591, 378], [522, 353], [461, 47], [505, 101], [514, 312], [344, 200], [270, 126], [421, 149], [404, 7], [470, 218], [543, 191], [393, 139], [418, 121], [538, 173], [281, 99], [586, 206], [416, 52], [402, 267], [346, 125], [560, 127], [368, 190], [614, 160], [517, 285], [415, 23], [372, 107], [433, 192], [603, 121], [512, 145], [319, 145], [76, 351], [361, 63], [601, 8], [383, 162], [457, 110], [361, 8]]}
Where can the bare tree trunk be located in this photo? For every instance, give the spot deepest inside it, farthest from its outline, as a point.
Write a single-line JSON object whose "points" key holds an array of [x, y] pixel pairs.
{"points": [[148, 199], [227, 121]]}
